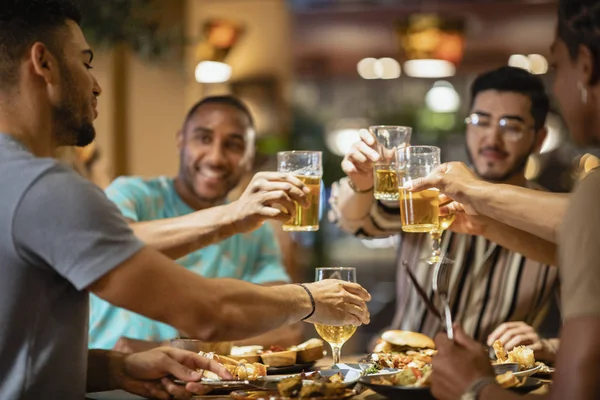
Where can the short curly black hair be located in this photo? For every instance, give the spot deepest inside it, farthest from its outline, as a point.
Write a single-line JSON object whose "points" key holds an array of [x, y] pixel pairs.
{"points": [[227, 100], [24, 22], [579, 24]]}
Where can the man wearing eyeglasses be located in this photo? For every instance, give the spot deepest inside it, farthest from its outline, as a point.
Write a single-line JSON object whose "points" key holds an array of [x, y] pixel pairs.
{"points": [[502, 281]]}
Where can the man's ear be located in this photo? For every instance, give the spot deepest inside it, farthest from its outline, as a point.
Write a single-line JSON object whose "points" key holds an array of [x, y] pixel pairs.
{"points": [[540, 138], [179, 139], [44, 63]]}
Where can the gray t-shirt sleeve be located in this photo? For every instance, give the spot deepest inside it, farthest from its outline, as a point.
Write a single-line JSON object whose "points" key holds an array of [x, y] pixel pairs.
{"points": [[66, 223]]}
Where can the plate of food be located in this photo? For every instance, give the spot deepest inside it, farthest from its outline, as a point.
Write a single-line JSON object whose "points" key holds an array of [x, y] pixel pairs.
{"points": [[281, 360], [313, 387], [401, 365], [517, 384], [397, 350], [408, 384], [522, 356], [545, 371]]}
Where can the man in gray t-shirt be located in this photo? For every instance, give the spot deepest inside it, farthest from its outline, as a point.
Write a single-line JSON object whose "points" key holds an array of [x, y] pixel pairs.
{"points": [[50, 220], [60, 238]]}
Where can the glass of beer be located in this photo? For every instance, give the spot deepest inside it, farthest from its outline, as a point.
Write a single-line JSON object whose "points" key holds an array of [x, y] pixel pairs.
{"points": [[336, 336], [306, 166], [419, 211], [389, 139]]}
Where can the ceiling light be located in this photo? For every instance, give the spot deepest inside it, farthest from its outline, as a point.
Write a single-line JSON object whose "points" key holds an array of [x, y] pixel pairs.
{"points": [[537, 64], [212, 72], [390, 68], [366, 68], [429, 68], [442, 98], [519, 61]]}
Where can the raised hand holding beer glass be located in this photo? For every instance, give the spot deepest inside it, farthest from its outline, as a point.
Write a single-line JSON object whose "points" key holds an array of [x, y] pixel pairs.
{"points": [[306, 166], [389, 139], [419, 211], [336, 336]]}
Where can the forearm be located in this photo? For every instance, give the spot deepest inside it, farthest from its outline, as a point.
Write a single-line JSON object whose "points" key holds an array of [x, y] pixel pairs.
{"points": [[352, 205], [533, 211], [102, 368], [285, 336], [359, 212], [177, 237], [207, 309], [242, 310], [527, 244]]}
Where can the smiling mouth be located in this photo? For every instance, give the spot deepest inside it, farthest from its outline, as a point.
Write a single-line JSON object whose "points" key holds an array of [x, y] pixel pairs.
{"points": [[211, 175]]}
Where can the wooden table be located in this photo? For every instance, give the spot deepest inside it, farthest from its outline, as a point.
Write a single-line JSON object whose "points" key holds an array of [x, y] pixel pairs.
{"points": [[323, 364]]}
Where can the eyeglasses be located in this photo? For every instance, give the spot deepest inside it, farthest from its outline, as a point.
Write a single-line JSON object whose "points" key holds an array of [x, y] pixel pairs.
{"points": [[511, 130]]}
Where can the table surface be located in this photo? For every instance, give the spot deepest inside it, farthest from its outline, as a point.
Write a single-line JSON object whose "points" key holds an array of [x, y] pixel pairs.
{"points": [[323, 364]]}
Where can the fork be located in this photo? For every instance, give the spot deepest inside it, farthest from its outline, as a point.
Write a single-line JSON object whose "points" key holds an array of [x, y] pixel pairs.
{"points": [[441, 283]]}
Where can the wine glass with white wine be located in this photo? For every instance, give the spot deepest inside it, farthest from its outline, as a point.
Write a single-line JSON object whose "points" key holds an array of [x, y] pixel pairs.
{"points": [[336, 336], [436, 237]]}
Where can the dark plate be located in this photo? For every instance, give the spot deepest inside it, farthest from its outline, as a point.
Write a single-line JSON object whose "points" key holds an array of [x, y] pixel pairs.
{"points": [[398, 392], [530, 385], [291, 369], [265, 395]]}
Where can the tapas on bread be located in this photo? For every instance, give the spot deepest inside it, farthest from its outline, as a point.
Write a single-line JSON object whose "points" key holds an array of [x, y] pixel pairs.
{"points": [[240, 370], [276, 356]]}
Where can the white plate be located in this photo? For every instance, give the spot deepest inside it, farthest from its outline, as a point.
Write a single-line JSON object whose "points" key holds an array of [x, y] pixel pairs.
{"points": [[527, 372]]}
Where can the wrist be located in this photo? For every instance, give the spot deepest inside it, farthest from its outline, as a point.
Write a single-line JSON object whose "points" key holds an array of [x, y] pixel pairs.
{"points": [[312, 301], [476, 194], [359, 188], [476, 387], [116, 369], [302, 302], [229, 218]]}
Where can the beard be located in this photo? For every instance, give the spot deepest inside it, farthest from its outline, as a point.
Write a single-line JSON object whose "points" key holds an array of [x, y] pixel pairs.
{"points": [[71, 130], [518, 168]]}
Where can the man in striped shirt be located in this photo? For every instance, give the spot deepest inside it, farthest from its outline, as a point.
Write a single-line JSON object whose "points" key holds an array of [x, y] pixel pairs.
{"points": [[498, 276]]}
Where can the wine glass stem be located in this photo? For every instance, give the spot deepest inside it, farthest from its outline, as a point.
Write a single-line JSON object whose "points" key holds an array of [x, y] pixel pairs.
{"points": [[436, 244], [336, 351]]}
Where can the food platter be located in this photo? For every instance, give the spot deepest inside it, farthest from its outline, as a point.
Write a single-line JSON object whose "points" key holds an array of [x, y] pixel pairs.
{"points": [[319, 385], [529, 385], [273, 395], [291, 369]]}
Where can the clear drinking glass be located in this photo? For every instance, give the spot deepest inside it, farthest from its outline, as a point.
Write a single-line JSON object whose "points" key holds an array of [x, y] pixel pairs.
{"points": [[389, 139], [419, 211], [308, 167], [336, 336], [436, 237]]}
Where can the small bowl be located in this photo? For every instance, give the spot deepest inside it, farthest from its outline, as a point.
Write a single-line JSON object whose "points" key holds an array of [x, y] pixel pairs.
{"points": [[280, 358], [196, 346], [503, 368]]}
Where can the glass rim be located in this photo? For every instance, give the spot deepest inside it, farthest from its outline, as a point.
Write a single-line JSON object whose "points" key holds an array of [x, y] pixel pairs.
{"points": [[306, 152], [432, 149], [335, 268], [389, 127]]}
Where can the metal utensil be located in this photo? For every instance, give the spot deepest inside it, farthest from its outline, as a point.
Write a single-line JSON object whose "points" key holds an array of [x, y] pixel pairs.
{"points": [[441, 284], [500, 369], [421, 292]]}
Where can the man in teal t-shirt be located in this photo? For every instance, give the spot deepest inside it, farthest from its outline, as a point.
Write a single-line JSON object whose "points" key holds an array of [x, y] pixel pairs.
{"points": [[216, 147]]}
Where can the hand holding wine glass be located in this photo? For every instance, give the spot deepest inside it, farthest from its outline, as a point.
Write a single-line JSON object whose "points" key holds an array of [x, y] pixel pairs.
{"points": [[336, 336]]}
